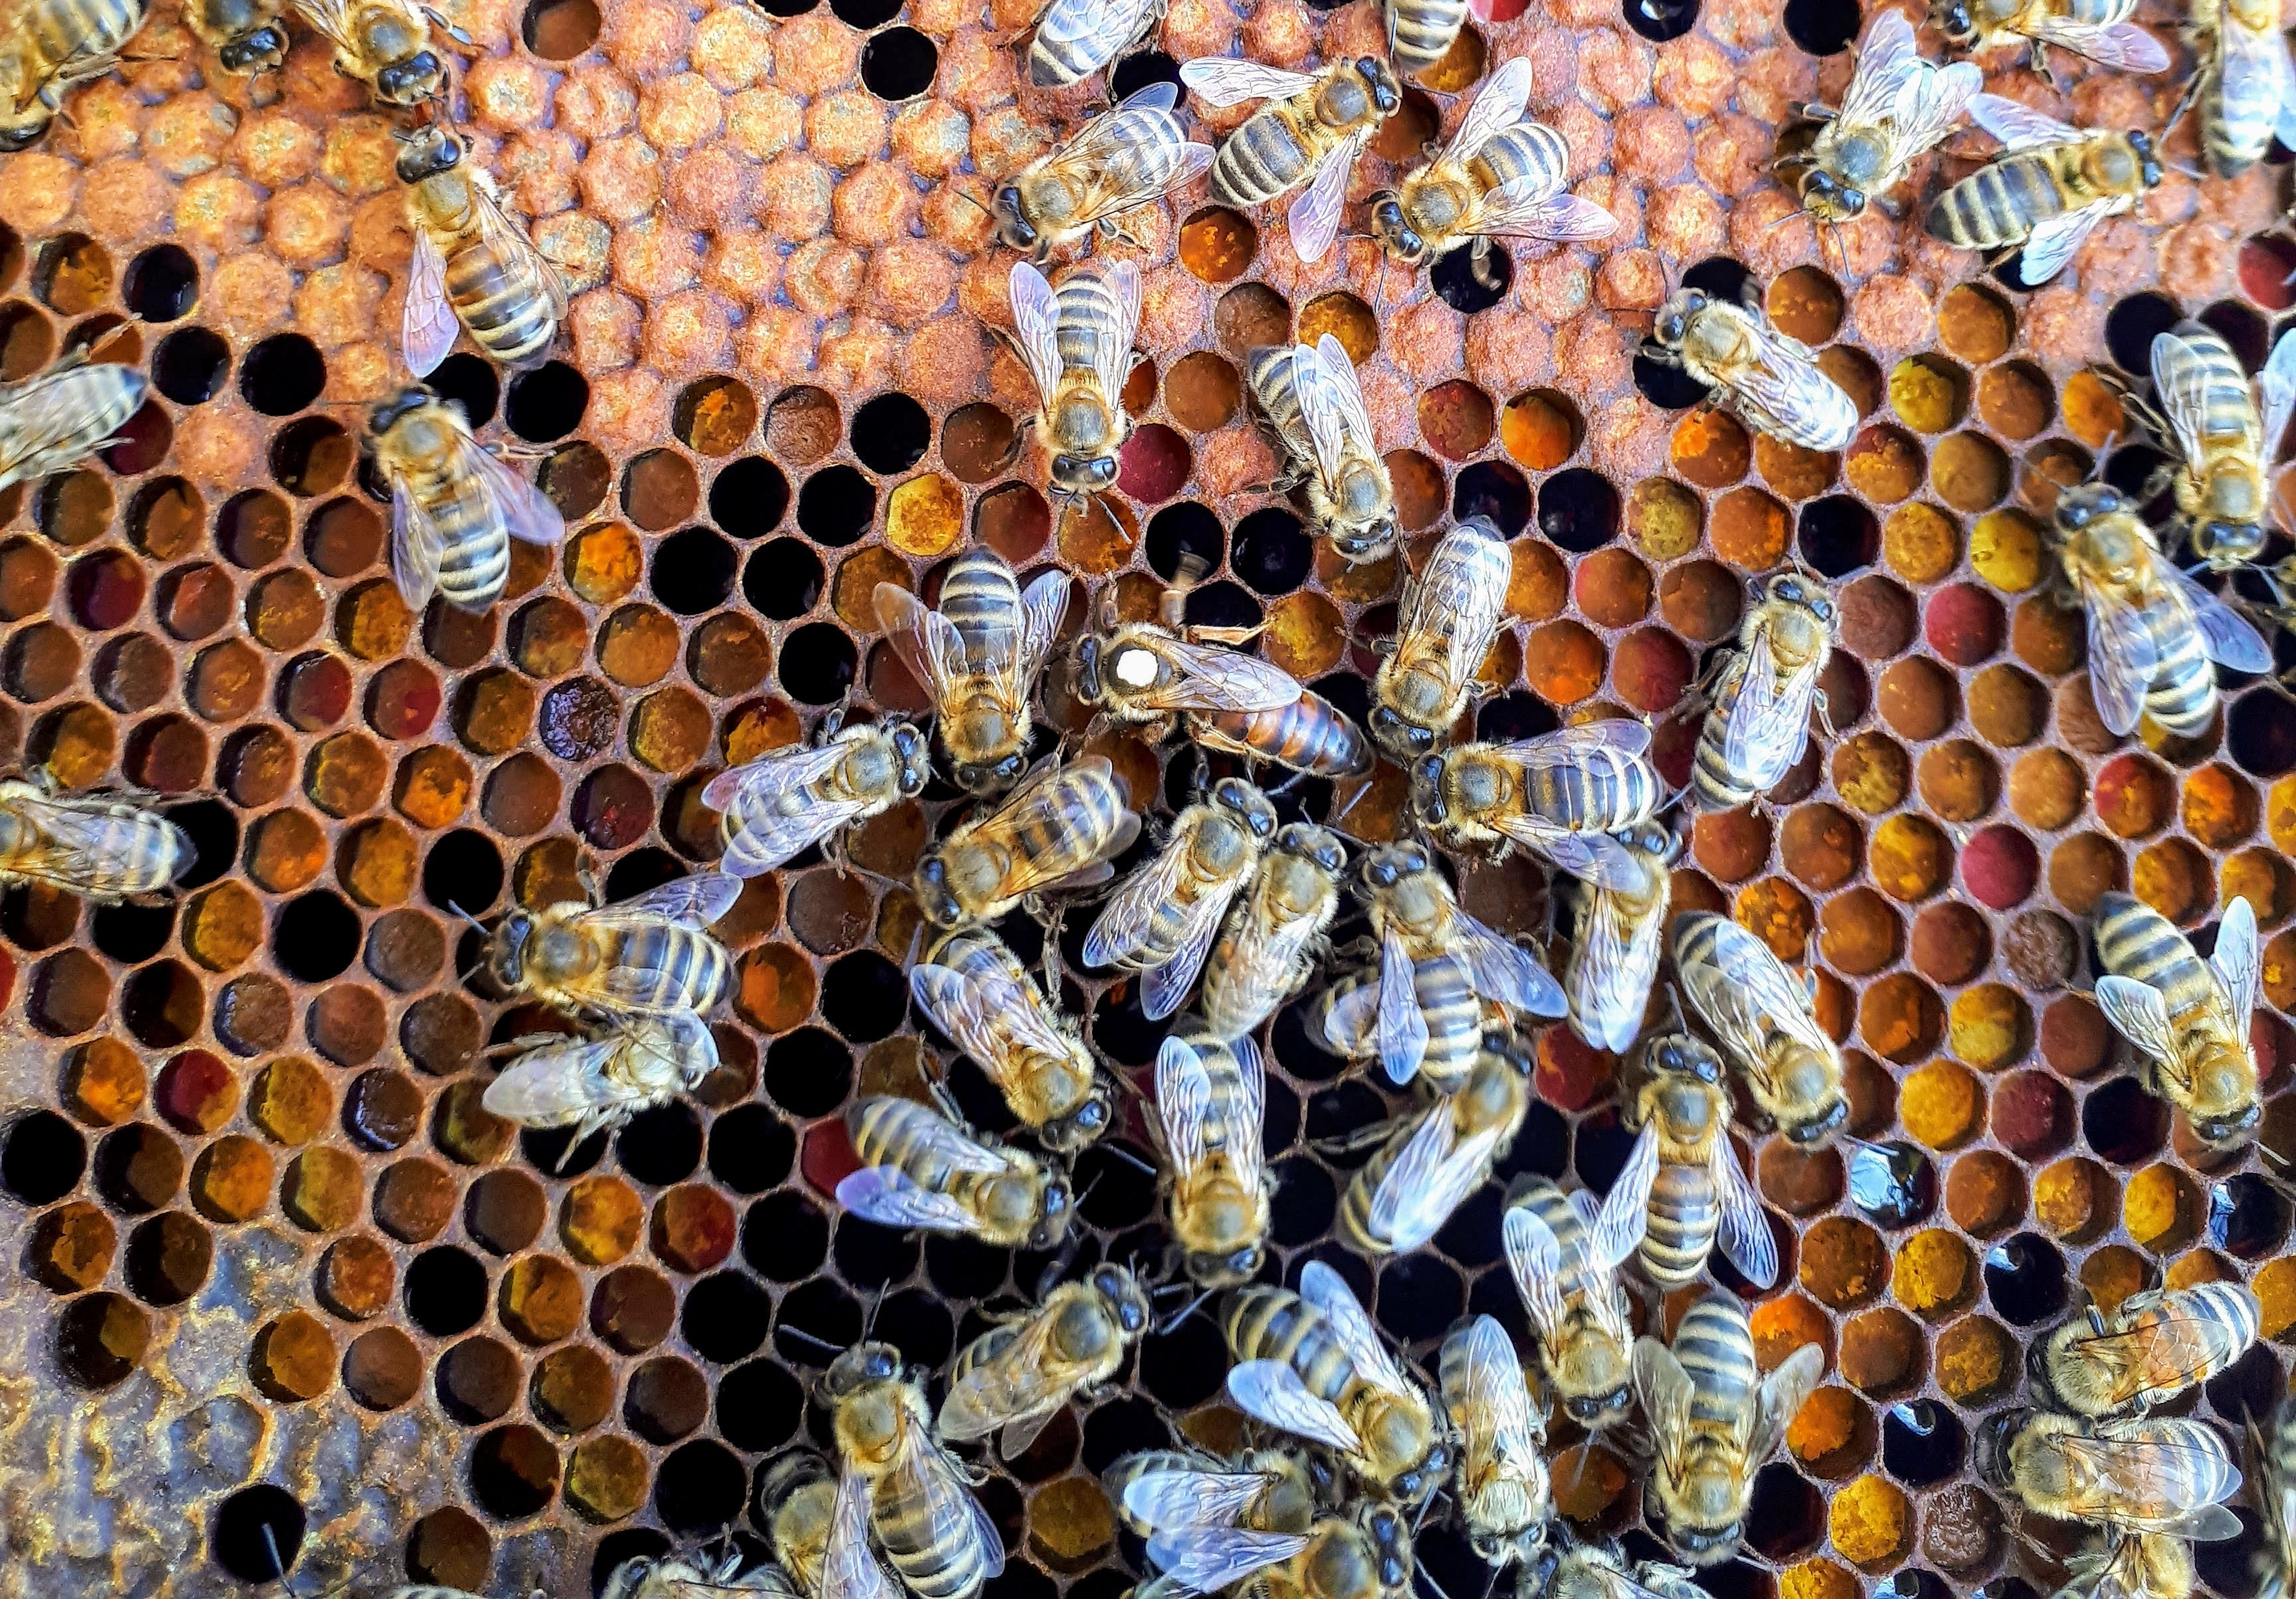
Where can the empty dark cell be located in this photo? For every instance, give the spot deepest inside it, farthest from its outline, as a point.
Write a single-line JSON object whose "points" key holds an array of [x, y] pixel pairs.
{"points": [[1893, 1183], [1137, 71], [618, 1549], [238, 1543], [316, 937], [661, 1145], [1494, 489], [2247, 1390], [1279, 1117], [2228, 1566], [2260, 732], [190, 365], [835, 506], [865, 15], [809, 1072], [919, 1324], [979, 1101], [725, 1315], [2129, 328], [1578, 510], [1821, 26], [1912, 1583], [1447, 1562], [471, 382], [898, 64], [163, 1003], [1273, 553], [1660, 20], [891, 433], [1305, 1201], [1665, 384], [963, 1268], [2026, 1278], [161, 285], [1468, 285], [1298, 1047], [445, 1292], [1419, 1296], [214, 832], [2123, 1123], [1472, 1233], [868, 1256], [1839, 536], [2006, 1588], [782, 580], [43, 1158], [554, 1150], [749, 498], [547, 402], [1542, 1146], [513, 1473], [478, 1380], [1121, 1192], [1222, 605], [1019, 1582], [2131, 468], [1922, 1443], [1601, 1151], [463, 874], [1341, 1113], [2246, 1218], [1121, 1427], [1786, 1515], [130, 933], [785, 1237], [825, 1314], [1181, 530], [1123, 1034], [817, 664], [1514, 717], [1721, 276], [751, 1148], [1185, 1366], [667, 1399], [283, 374], [863, 997], [760, 1406], [693, 570]]}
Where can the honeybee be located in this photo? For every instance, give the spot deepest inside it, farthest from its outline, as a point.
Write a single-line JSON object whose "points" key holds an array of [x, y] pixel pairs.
{"points": [[382, 44], [1017, 1376], [247, 36], [1131, 157], [2245, 84], [1758, 717], [101, 847], [1145, 674], [1162, 921], [2154, 1346], [680, 1577], [1311, 735], [473, 265], [1312, 1364], [1077, 347], [920, 1170], [2272, 1465], [1898, 108], [453, 507], [1167, 1490], [1561, 796], [2152, 631], [1696, 1187], [1267, 947], [939, 1541], [1769, 379], [1076, 38], [788, 800], [1503, 1494], [1575, 1570], [1714, 1419], [589, 1083], [2152, 1473], [1311, 132], [976, 991], [1617, 937], [1402, 1196], [62, 416], [1564, 1252], [1212, 1098], [46, 47], [652, 956], [978, 656], [806, 1508], [1315, 410], [1058, 830], [2049, 187], [2100, 30], [1363, 1555], [2224, 441], [1502, 175], [2187, 1017], [1765, 1021], [2146, 1566], [1447, 622], [1436, 966]]}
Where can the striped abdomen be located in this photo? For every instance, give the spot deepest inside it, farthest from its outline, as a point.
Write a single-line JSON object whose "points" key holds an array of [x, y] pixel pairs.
{"points": [[1716, 1347], [1070, 817], [1275, 1323], [669, 969], [981, 600], [1259, 160], [501, 296], [1713, 785], [1420, 32], [888, 1130], [2183, 695], [2137, 942], [2000, 203], [1091, 321], [1685, 1215], [2228, 414], [2240, 94], [1526, 150], [69, 32], [1268, 370], [55, 422], [1310, 735], [1576, 1285], [1363, 1188], [935, 1549], [1453, 1014], [1602, 791], [474, 541], [108, 851]]}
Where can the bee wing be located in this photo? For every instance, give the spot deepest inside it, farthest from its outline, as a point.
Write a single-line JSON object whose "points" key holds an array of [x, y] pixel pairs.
{"points": [[554, 1084], [1129, 916], [1768, 727], [2049, 247], [1329, 1292], [1458, 600], [1535, 1260], [1887, 60], [1747, 1242], [1616, 1229], [2252, 63], [1746, 989], [1314, 216], [1183, 1105], [1489, 1388], [1330, 402], [1020, 1383], [1618, 956], [1102, 27], [1596, 858], [1205, 677], [2172, 1345], [892, 1197], [1786, 383], [2122, 656], [849, 1570], [1044, 604], [2230, 638], [1931, 104], [2176, 1467], [2238, 962], [527, 512], [1133, 155], [694, 901], [1223, 80], [1204, 1560], [1507, 972], [1036, 323], [2139, 1014], [2181, 382], [78, 838], [1164, 987], [2018, 126], [1271, 1391], [507, 236], [1498, 105], [2276, 387], [927, 641], [2122, 45], [928, 1477], [1782, 1395], [331, 19], [1529, 206], [1662, 1385], [428, 327], [415, 548], [1349, 1016], [1112, 358], [1401, 1028], [1429, 1179], [969, 1006], [1173, 1501], [765, 834]]}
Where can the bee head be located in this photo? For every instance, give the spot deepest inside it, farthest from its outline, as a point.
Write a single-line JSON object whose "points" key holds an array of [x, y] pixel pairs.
{"points": [[1599, 1410], [1953, 21], [2084, 503], [935, 898], [2228, 541], [992, 777], [1060, 1204], [506, 958], [1693, 1543], [916, 767], [1249, 806], [1402, 737], [1085, 474], [1386, 91], [1830, 196], [1311, 842], [23, 135], [2222, 1081], [1990, 1454], [1401, 239], [1366, 542], [1122, 1290], [412, 81], [391, 411], [258, 52], [861, 1365], [1014, 231], [428, 151], [1680, 1054], [1385, 868], [1390, 1540], [1065, 1134], [1821, 1127]]}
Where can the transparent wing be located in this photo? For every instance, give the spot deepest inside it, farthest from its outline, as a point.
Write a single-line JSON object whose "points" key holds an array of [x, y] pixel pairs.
{"points": [[415, 548], [970, 1007], [1044, 604], [1507, 972], [1401, 1028], [1273, 1392], [695, 900], [2180, 380], [526, 511], [1490, 1388], [1932, 103], [1022, 1381], [507, 237], [1184, 1105], [1526, 208], [1126, 922], [2238, 962], [2139, 1014], [555, 1084], [1887, 61], [1498, 105], [2018, 126], [2230, 638], [847, 1569], [1169, 1501], [889, 1197], [927, 641], [1535, 1260], [1205, 677], [1663, 1386], [1164, 987], [1223, 80], [1329, 1292], [2122, 45], [1746, 990], [1113, 357], [1619, 1226], [331, 19], [1105, 25], [1784, 383], [776, 772], [765, 830], [1204, 1560], [1314, 216], [2122, 656], [2276, 387], [928, 1482], [1747, 1242], [1458, 601], [2049, 248], [1770, 722], [427, 327], [1782, 1395], [1035, 324], [1321, 407], [1349, 1016], [2157, 1474], [1429, 1179]]}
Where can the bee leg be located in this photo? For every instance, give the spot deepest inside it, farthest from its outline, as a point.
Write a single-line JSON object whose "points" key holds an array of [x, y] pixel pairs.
{"points": [[1370, 1136], [2038, 60], [1824, 715], [1479, 263]]}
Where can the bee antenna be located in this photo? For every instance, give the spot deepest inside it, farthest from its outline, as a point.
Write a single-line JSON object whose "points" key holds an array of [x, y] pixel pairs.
{"points": [[818, 1343], [1129, 1158], [1194, 1305], [278, 1565], [1421, 1572], [466, 916], [869, 1316], [975, 204]]}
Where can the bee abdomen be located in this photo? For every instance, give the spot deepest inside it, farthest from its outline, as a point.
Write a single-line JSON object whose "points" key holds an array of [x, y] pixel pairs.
{"points": [[2183, 695], [1713, 785], [1526, 150], [933, 1561], [1275, 1323], [2137, 942], [1260, 161], [1355, 1204], [1422, 31], [981, 600], [2237, 118], [1716, 1347], [1089, 317], [1453, 1014], [503, 303], [1552, 1207], [1310, 735], [473, 544], [1683, 1219], [1998, 204], [1603, 793]]}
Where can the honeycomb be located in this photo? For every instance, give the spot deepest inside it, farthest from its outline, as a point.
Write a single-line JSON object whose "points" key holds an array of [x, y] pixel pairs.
{"points": [[280, 1272]]}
